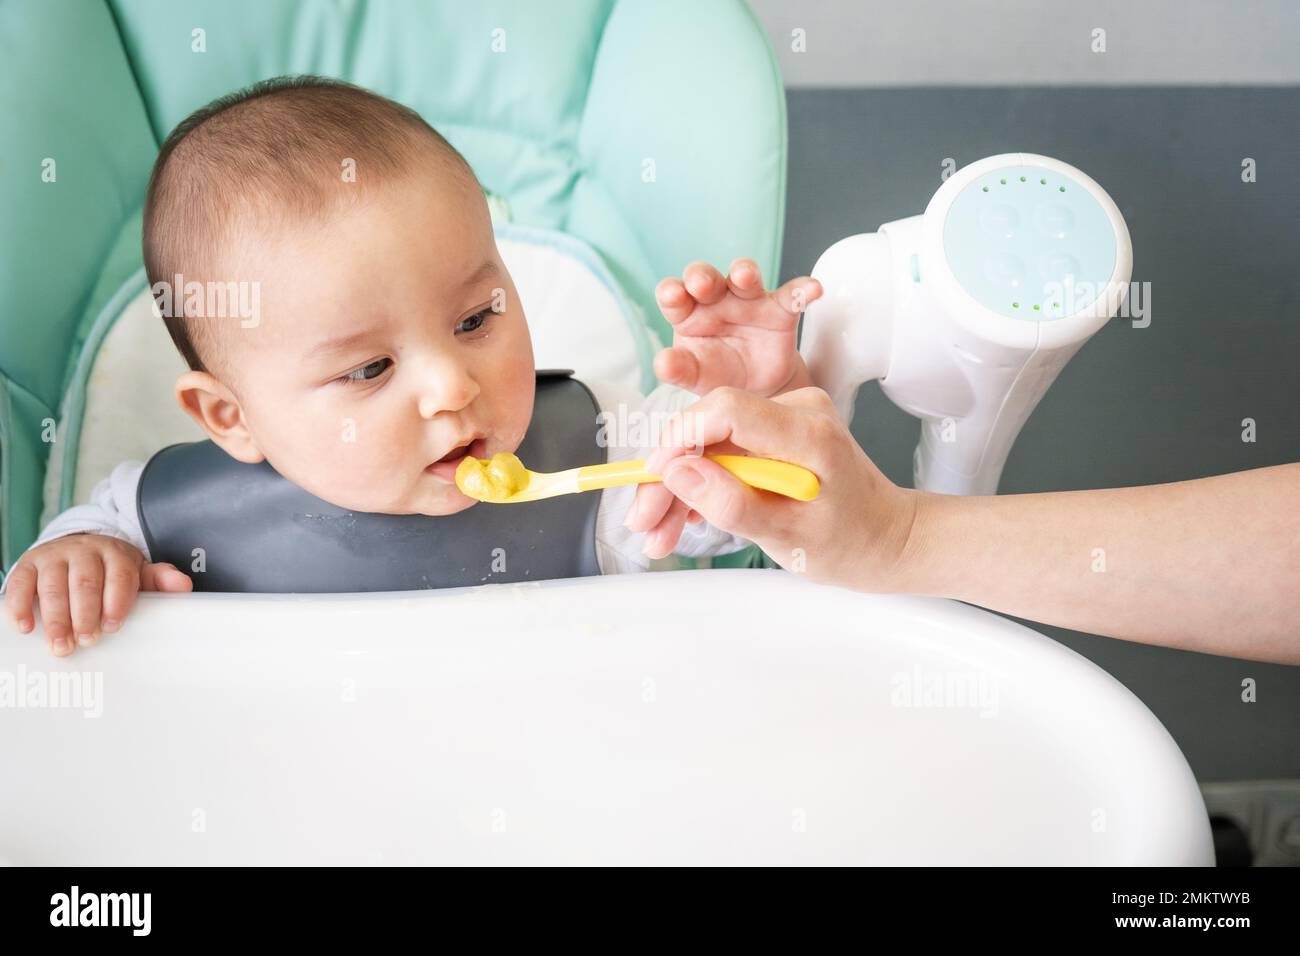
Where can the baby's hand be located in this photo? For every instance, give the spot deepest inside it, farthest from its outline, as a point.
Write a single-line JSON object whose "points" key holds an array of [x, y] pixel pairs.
{"points": [[729, 330], [84, 582]]}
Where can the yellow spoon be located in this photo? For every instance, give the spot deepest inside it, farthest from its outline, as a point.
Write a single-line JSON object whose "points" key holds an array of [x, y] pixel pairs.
{"points": [[503, 479]]}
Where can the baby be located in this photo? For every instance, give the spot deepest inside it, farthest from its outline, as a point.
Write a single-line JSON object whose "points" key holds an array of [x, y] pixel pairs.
{"points": [[383, 304]]}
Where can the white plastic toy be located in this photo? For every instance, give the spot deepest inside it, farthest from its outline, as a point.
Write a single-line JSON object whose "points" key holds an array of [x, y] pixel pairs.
{"points": [[967, 313]]}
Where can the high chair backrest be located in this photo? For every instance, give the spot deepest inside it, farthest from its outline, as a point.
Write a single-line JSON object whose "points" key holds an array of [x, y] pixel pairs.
{"points": [[653, 131]]}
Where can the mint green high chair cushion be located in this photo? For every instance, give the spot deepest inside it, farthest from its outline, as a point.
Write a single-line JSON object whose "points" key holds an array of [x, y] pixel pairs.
{"points": [[654, 132]]}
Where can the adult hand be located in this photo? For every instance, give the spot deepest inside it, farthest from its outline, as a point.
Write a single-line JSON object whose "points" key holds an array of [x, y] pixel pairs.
{"points": [[854, 533]]}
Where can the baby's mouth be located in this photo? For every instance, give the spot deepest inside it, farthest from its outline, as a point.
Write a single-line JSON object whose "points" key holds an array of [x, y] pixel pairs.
{"points": [[445, 467]]}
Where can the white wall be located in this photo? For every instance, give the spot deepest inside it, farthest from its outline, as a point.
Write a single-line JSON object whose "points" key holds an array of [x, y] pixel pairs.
{"points": [[1037, 42]]}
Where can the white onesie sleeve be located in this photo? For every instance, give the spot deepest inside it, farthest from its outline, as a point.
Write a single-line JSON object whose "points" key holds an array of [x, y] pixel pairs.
{"points": [[111, 511], [632, 423]]}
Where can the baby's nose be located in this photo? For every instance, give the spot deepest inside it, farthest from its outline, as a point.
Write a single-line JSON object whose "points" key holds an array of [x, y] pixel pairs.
{"points": [[447, 392]]}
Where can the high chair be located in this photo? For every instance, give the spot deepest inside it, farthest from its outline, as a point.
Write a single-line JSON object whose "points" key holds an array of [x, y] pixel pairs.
{"points": [[727, 716]]}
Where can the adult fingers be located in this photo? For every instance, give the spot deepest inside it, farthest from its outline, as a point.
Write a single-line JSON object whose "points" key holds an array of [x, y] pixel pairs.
{"points": [[800, 427], [662, 539], [725, 501], [651, 503]]}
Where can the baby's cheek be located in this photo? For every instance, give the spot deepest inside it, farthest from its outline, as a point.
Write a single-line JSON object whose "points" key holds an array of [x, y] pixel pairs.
{"points": [[518, 410], [348, 455], [515, 405], [376, 460]]}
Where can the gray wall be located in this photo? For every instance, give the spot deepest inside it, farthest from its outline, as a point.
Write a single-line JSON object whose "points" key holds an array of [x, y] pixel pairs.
{"points": [[1135, 406]]}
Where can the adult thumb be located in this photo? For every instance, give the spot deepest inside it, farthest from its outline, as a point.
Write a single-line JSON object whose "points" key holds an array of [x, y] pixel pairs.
{"points": [[722, 499]]}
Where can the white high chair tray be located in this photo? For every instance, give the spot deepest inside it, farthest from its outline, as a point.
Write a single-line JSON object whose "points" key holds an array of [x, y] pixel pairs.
{"points": [[696, 717]]}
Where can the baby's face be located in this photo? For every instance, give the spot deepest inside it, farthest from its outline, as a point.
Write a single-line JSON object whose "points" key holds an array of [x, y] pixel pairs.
{"points": [[378, 355]]}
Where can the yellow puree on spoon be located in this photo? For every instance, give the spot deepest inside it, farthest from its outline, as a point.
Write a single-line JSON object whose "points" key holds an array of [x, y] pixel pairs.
{"points": [[495, 479]]}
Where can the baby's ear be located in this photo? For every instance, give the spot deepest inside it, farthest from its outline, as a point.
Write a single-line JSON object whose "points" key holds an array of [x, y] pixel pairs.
{"points": [[210, 403]]}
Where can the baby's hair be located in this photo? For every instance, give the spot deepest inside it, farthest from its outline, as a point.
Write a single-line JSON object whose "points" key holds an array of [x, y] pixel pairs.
{"points": [[277, 151]]}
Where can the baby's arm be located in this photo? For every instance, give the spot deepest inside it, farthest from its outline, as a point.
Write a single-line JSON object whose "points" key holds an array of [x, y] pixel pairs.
{"points": [[86, 568]]}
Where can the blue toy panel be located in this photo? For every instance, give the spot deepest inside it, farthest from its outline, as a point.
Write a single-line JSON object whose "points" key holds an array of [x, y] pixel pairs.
{"points": [[1029, 243]]}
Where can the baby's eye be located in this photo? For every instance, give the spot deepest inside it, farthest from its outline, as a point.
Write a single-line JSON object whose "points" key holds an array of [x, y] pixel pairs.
{"points": [[474, 322], [369, 372]]}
